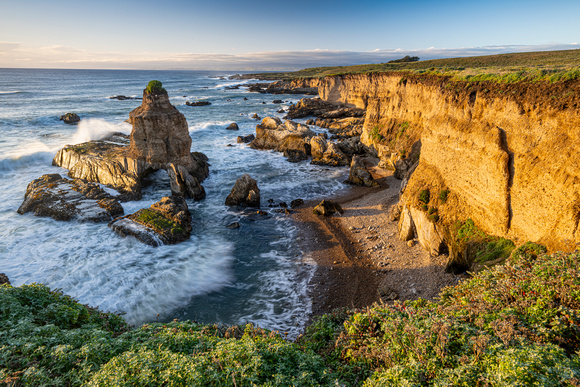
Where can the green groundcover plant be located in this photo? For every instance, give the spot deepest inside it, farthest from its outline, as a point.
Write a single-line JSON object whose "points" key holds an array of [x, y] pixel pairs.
{"points": [[516, 324]]}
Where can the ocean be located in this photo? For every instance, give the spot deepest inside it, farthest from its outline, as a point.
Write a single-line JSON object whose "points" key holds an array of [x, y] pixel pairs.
{"points": [[255, 273]]}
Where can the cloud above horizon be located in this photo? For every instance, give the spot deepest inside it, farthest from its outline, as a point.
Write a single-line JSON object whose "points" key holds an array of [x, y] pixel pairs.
{"points": [[14, 54]]}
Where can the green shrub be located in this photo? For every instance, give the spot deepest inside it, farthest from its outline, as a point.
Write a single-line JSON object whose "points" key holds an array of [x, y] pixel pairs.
{"points": [[443, 195], [375, 135], [424, 196], [510, 325], [155, 87], [528, 251]]}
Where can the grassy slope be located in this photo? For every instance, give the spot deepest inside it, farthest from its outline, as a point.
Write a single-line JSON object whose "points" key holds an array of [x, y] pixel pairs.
{"points": [[517, 324], [552, 61]]}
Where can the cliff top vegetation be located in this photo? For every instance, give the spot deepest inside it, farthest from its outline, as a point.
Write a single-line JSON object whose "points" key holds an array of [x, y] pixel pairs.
{"points": [[551, 66], [515, 324]]}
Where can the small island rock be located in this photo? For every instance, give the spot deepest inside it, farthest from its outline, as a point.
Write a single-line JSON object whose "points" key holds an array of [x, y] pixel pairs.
{"points": [[166, 222], [245, 192]]}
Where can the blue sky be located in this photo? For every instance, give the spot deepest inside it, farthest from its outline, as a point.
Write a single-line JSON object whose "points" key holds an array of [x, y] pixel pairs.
{"points": [[256, 34]]}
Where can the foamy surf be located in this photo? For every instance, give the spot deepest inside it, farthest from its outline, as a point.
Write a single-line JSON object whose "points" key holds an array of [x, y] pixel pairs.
{"points": [[96, 129]]}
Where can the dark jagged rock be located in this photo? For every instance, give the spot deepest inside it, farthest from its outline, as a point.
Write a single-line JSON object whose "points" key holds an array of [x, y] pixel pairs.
{"points": [[255, 116], [277, 101], [198, 103], [4, 279], [166, 222], [245, 193], [233, 225], [246, 139], [327, 208], [70, 118], [64, 199], [359, 175], [233, 126], [296, 203], [123, 97]]}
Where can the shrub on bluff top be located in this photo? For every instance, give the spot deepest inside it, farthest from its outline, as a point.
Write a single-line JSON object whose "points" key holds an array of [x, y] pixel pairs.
{"points": [[155, 87]]}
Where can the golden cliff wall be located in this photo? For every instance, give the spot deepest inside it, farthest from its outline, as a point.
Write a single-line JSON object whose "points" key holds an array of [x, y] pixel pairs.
{"points": [[508, 153]]}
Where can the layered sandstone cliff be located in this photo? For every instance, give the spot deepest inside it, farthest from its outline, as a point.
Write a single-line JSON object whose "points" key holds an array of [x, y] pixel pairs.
{"points": [[506, 153]]}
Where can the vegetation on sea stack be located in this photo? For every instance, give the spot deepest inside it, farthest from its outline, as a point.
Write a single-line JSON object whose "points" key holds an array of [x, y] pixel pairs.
{"points": [[514, 324], [155, 87]]}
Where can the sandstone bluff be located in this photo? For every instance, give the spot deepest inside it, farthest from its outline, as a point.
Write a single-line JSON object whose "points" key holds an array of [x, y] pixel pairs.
{"points": [[504, 154]]}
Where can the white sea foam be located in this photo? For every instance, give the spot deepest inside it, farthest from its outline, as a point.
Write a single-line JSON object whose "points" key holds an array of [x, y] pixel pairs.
{"points": [[10, 92], [96, 129], [209, 125]]}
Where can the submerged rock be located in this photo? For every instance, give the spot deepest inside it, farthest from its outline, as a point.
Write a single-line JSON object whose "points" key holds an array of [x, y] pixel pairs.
{"points": [[166, 222], [327, 208], [70, 118], [359, 175], [64, 199], [245, 192]]}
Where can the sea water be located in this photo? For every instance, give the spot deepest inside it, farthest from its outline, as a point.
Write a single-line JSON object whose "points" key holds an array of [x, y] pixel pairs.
{"points": [[255, 273]]}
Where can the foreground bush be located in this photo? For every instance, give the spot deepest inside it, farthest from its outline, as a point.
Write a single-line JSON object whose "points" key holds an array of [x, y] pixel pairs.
{"points": [[517, 324], [513, 325], [46, 338]]}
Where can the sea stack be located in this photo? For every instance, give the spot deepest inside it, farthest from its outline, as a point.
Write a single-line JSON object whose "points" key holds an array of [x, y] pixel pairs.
{"points": [[160, 137], [159, 140]]}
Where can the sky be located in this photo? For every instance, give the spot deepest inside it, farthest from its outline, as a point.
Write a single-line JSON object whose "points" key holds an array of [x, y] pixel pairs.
{"points": [[273, 35]]}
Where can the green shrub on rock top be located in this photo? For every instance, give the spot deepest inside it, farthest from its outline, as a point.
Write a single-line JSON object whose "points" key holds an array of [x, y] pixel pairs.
{"points": [[155, 87]]}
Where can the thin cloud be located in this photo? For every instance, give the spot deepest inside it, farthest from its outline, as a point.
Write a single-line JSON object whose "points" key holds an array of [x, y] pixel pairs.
{"points": [[15, 55]]}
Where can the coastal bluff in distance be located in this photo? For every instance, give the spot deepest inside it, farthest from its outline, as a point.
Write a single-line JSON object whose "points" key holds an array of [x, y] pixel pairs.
{"points": [[159, 140]]}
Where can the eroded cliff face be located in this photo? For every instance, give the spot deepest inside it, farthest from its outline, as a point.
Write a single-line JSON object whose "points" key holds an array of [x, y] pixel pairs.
{"points": [[507, 153]]}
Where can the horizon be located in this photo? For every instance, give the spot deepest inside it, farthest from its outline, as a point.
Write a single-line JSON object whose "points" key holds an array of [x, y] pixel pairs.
{"points": [[272, 36]]}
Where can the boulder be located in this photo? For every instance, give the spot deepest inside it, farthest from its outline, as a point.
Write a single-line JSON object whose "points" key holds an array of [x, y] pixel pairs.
{"points": [[64, 199], [246, 139], [327, 208], [4, 279], [255, 116], [70, 118], [318, 146], [198, 103], [166, 222], [359, 175], [233, 126], [332, 156], [289, 137], [406, 227], [245, 193]]}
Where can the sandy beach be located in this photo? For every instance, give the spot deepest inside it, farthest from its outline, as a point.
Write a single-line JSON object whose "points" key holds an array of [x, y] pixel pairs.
{"points": [[360, 259]]}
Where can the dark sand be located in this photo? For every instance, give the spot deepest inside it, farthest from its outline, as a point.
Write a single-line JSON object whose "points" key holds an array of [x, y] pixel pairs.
{"points": [[360, 259]]}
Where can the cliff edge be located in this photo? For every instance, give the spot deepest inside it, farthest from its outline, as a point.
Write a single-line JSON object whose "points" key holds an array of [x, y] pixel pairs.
{"points": [[502, 154]]}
